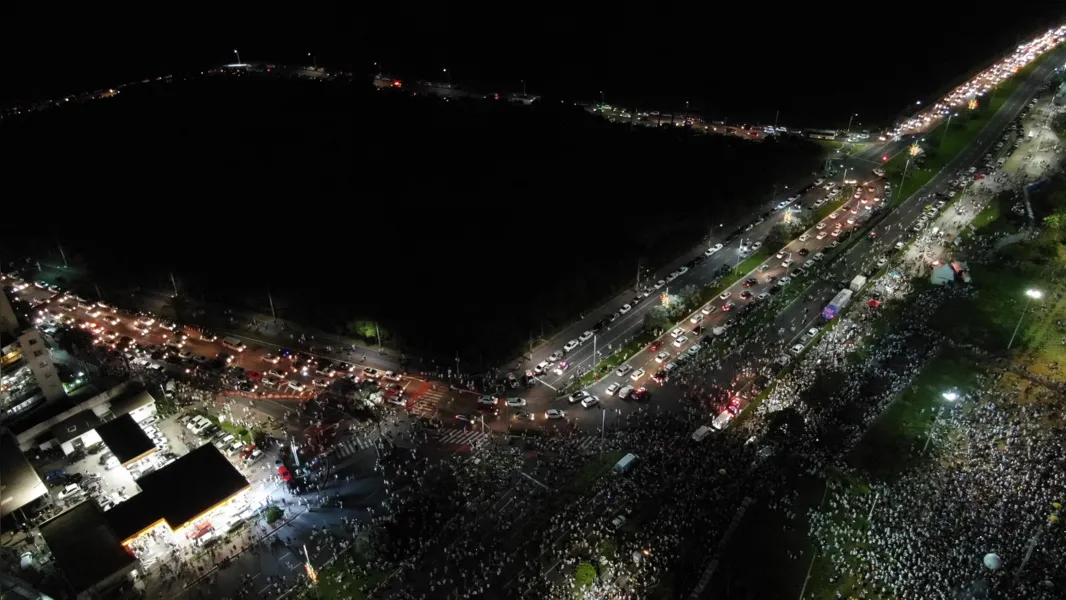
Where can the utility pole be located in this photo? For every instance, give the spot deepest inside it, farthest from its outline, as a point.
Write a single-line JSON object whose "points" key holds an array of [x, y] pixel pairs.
{"points": [[63, 255], [594, 355], [603, 426], [904, 177], [98, 294], [174, 283], [272, 313], [523, 87], [776, 115], [377, 330], [638, 276]]}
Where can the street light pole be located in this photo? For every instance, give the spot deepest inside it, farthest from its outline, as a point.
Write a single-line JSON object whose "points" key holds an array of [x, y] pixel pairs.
{"points": [[314, 60], [238, 56], [904, 177], [1033, 295], [449, 77], [853, 115], [946, 125]]}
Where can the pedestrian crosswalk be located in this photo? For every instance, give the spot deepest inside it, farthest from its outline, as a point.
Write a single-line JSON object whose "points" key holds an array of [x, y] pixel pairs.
{"points": [[427, 402], [475, 439], [352, 445]]}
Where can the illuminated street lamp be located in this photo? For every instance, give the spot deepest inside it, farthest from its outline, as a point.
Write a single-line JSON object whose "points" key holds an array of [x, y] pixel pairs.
{"points": [[946, 125], [238, 56], [950, 396], [449, 76], [853, 115], [314, 61], [1033, 294]]}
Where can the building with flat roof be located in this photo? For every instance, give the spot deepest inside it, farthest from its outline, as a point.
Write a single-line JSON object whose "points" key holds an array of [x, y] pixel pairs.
{"points": [[73, 426], [88, 553], [35, 352], [178, 494], [126, 439], [19, 482]]}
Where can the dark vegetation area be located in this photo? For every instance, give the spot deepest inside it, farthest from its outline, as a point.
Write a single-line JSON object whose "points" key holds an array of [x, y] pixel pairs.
{"points": [[458, 225]]}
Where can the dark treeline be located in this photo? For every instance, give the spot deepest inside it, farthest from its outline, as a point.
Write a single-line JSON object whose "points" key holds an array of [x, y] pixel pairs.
{"points": [[459, 225]]}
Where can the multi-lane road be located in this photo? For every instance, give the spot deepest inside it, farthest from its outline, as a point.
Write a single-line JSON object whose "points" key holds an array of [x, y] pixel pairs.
{"points": [[857, 258]]}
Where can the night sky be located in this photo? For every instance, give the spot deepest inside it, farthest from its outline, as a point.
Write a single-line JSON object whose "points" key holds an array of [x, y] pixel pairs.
{"points": [[815, 67], [438, 218]]}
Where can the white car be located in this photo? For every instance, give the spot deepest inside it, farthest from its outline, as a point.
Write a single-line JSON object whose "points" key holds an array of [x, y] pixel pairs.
{"points": [[611, 389], [821, 226], [676, 332], [882, 261], [637, 375], [834, 215], [805, 237], [762, 296], [625, 308], [269, 381], [554, 413], [681, 341], [584, 337], [554, 356], [625, 392], [659, 284], [695, 348], [590, 402], [271, 358], [622, 370], [662, 357], [696, 319], [516, 402], [710, 308], [570, 345], [682, 270], [725, 295], [296, 386], [797, 349], [756, 246], [782, 253], [710, 251], [821, 235], [541, 368], [71, 490]]}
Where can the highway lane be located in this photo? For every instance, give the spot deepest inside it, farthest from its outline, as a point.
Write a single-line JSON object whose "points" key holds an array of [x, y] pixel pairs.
{"points": [[627, 325], [893, 227]]}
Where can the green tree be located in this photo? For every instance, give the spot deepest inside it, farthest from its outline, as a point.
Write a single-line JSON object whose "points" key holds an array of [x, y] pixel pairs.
{"points": [[73, 340], [1055, 222], [274, 513], [584, 574], [780, 235], [363, 329], [177, 307], [690, 296], [656, 318]]}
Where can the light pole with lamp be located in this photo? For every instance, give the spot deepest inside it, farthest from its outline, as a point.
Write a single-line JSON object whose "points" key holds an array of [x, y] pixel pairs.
{"points": [[950, 396], [449, 77], [314, 60], [1033, 295], [238, 56], [853, 115], [946, 125]]}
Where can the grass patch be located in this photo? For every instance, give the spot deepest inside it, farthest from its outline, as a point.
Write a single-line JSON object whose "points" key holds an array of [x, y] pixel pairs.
{"points": [[242, 433], [341, 581], [894, 441], [961, 132]]}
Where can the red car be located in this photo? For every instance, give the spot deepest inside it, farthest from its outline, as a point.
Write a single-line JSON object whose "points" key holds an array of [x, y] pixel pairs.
{"points": [[284, 473], [654, 347]]}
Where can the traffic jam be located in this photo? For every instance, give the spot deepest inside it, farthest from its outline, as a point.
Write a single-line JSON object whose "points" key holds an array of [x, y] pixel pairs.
{"points": [[685, 340], [155, 344]]}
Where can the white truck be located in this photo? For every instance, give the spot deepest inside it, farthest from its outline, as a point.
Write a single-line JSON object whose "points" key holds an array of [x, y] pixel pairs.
{"points": [[857, 284]]}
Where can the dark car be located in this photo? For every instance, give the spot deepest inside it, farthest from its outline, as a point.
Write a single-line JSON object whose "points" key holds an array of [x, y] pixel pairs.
{"points": [[803, 252], [750, 282], [746, 294]]}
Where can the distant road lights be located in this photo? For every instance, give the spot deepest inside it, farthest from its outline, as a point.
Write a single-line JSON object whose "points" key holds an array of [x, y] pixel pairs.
{"points": [[950, 396]]}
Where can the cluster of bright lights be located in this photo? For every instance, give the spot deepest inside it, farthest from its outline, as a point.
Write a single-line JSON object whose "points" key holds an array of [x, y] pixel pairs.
{"points": [[966, 95]]}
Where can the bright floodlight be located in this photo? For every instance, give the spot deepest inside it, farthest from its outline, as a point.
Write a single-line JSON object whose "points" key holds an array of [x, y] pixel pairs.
{"points": [[1034, 294], [950, 396]]}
